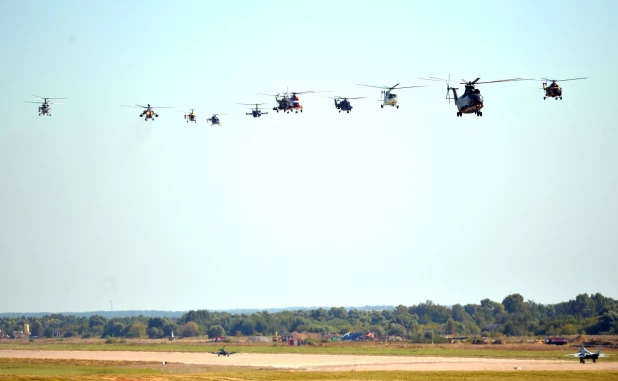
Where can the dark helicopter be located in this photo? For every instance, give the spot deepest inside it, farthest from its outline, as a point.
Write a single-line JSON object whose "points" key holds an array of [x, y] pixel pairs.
{"points": [[553, 90], [256, 112], [214, 119], [343, 103], [223, 352], [471, 102], [191, 117]]}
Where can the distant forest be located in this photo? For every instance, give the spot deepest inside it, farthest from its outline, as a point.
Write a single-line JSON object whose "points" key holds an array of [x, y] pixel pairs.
{"points": [[586, 314]]}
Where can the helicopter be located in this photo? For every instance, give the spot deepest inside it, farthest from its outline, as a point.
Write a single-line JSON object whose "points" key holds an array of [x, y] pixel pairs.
{"points": [[390, 98], [471, 101], [289, 101], [45, 108], [256, 112], [191, 117], [214, 119], [149, 112], [553, 90], [343, 103]]}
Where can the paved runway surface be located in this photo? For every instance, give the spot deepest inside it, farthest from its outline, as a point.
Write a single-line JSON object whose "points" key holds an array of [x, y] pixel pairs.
{"points": [[320, 362]]}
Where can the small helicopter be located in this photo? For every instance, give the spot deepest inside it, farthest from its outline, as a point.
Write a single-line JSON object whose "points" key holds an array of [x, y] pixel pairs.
{"points": [[223, 352], [553, 90], [471, 101], [256, 112], [148, 112], [45, 108], [390, 98], [191, 117], [343, 103], [214, 119]]}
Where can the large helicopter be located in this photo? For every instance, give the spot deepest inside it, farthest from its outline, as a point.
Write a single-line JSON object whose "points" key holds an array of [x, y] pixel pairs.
{"points": [[45, 108], [471, 101], [256, 112], [214, 119], [553, 90], [191, 117], [289, 101], [343, 103], [148, 112], [390, 98]]}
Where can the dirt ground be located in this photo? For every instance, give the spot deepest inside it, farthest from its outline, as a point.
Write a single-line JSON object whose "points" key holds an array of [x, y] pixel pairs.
{"points": [[319, 362]]}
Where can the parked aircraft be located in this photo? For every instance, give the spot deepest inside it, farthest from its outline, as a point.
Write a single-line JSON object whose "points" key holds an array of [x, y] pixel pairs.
{"points": [[585, 354]]}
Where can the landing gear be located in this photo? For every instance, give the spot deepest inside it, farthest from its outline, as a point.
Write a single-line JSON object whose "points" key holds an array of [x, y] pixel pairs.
{"points": [[582, 361], [544, 98], [348, 111], [478, 113], [594, 361], [397, 107], [458, 114], [560, 98], [381, 106]]}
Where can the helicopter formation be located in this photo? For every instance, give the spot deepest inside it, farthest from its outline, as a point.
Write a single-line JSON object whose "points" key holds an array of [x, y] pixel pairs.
{"points": [[470, 102]]}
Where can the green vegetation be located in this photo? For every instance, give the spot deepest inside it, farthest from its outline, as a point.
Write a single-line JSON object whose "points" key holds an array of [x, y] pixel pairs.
{"points": [[590, 314], [39, 367]]}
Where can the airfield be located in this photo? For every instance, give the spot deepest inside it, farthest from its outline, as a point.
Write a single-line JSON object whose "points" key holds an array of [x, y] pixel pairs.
{"points": [[313, 362]]}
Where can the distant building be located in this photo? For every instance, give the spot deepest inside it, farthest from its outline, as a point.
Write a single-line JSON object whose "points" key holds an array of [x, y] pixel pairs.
{"points": [[20, 335]]}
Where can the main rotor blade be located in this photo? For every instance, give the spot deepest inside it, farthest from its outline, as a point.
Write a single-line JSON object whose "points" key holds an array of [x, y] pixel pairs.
{"points": [[500, 80], [48, 97], [570, 79], [32, 102], [392, 87], [152, 107], [434, 79], [133, 106], [407, 87], [251, 104], [377, 87], [476, 80]]}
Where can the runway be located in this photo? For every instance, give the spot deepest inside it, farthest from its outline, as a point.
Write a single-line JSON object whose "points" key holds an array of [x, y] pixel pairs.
{"points": [[321, 362]]}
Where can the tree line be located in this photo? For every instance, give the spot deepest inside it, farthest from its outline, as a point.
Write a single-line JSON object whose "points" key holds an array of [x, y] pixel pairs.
{"points": [[514, 316]]}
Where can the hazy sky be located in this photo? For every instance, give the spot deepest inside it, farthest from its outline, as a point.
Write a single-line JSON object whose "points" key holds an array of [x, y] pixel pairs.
{"points": [[379, 206]]}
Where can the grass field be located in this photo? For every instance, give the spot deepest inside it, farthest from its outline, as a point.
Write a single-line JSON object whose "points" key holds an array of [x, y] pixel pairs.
{"points": [[512, 351], [57, 368]]}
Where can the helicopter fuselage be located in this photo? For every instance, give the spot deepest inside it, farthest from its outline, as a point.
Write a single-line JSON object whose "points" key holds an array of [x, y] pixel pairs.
{"points": [[45, 109], [343, 105], [148, 114], [288, 104], [390, 99], [471, 102], [552, 91]]}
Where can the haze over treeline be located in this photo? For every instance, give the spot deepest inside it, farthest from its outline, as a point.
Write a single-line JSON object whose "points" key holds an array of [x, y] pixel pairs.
{"points": [[513, 316]]}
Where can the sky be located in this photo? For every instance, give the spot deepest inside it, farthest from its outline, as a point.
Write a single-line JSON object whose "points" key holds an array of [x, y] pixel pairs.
{"points": [[100, 209]]}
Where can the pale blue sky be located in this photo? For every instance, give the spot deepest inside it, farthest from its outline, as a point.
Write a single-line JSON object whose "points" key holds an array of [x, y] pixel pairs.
{"points": [[373, 207]]}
